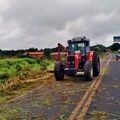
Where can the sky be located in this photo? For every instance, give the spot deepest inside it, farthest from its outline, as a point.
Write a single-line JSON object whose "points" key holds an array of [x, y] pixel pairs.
{"points": [[44, 23]]}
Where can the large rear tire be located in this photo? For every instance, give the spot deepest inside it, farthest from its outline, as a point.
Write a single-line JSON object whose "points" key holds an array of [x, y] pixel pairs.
{"points": [[96, 65], [59, 71], [88, 71]]}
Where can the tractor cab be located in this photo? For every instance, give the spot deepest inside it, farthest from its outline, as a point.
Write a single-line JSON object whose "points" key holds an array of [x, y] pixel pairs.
{"points": [[78, 49], [78, 45]]}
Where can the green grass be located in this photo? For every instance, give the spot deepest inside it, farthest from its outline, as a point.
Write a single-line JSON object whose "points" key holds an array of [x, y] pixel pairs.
{"points": [[16, 73], [15, 67]]}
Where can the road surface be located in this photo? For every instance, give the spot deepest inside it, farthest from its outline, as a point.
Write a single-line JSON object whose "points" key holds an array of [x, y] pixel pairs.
{"points": [[106, 103]]}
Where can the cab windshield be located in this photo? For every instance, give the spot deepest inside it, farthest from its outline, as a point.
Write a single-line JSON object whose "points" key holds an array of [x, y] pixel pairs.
{"points": [[77, 47]]}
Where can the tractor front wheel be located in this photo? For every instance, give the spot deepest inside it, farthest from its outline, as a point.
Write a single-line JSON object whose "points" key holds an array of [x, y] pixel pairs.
{"points": [[88, 71], [59, 71], [96, 65]]}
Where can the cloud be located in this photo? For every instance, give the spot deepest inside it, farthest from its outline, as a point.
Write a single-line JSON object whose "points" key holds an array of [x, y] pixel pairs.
{"points": [[28, 23], [4, 5]]}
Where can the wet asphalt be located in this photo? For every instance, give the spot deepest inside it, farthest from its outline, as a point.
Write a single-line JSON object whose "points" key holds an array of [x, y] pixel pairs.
{"points": [[106, 103]]}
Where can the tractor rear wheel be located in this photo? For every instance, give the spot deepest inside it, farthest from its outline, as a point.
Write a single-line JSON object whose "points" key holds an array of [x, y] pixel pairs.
{"points": [[96, 65], [88, 71], [59, 71]]}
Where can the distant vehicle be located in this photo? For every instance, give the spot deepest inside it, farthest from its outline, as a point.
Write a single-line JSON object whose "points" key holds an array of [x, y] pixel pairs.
{"points": [[117, 57]]}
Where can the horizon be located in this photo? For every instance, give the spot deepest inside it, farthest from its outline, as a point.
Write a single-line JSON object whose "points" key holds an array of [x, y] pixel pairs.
{"points": [[46, 48]]}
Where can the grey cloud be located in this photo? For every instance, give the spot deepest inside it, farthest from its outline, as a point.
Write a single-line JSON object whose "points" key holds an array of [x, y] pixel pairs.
{"points": [[42, 24]]}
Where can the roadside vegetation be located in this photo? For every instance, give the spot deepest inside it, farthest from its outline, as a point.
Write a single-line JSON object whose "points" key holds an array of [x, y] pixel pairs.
{"points": [[99, 49], [18, 67], [20, 73]]}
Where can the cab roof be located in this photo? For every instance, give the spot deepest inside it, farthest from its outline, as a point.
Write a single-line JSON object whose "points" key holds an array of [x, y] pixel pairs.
{"points": [[79, 39]]}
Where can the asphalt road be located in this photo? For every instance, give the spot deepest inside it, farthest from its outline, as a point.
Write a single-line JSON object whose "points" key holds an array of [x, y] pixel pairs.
{"points": [[106, 103]]}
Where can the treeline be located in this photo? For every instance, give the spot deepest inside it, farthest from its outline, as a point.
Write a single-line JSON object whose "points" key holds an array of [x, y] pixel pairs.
{"points": [[11, 53], [102, 49], [115, 47], [98, 48], [20, 53]]}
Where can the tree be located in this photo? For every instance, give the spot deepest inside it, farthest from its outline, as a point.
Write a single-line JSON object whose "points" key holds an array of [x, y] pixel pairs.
{"points": [[47, 52], [33, 50], [98, 48], [115, 47]]}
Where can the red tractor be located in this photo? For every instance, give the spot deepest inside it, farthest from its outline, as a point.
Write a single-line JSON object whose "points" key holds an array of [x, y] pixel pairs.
{"points": [[79, 59]]}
